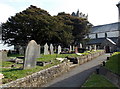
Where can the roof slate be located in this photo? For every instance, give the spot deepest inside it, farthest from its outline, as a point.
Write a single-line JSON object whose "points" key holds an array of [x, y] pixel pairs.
{"points": [[100, 40], [105, 28]]}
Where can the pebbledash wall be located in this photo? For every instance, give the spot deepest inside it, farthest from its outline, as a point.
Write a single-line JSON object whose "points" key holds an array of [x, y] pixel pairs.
{"points": [[42, 77]]}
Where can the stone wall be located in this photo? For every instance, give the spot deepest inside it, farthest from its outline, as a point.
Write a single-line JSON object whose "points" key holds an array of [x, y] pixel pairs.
{"points": [[42, 77], [89, 57]]}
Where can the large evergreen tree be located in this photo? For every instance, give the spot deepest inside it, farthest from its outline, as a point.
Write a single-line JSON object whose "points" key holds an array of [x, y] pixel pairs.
{"points": [[80, 26], [37, 24]]}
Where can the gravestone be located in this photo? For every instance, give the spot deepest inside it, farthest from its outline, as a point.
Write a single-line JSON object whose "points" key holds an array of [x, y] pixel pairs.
{"points": [[80, 45], [76, 49], [21, 50], [30, 55], [95, 47], [59, 49], [51, 49], [73, 48], [90, 48], [86, 47], [38, 54], [46, 52], [70, 48], [3, 55]]}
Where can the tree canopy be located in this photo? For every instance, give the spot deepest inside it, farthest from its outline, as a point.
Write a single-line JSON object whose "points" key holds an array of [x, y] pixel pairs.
{"points": [[37, 24]]}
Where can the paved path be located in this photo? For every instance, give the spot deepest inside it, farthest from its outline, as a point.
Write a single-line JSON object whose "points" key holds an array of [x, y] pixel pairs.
{"points": [[77, 76]]}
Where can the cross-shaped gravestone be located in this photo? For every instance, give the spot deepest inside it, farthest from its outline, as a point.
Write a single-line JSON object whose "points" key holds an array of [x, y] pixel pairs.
{"points": [[59, 49], [30, 55], [46, 52], [51, 49]]}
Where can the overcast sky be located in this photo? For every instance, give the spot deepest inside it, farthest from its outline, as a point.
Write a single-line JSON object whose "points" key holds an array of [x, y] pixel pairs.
{"points": [[99, 11]]}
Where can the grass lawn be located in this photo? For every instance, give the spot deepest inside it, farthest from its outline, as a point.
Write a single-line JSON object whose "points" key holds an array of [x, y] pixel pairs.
{"points": [[114, 63], [96, 80], [16, 72]]}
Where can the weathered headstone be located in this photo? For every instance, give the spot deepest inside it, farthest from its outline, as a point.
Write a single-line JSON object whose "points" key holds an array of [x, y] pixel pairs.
{"points": [[51, 49], [59, 49], [80, 45], [70, 48], [86, 47], [30, 55], [21, 50], [76, 49], [73, 48], [3, 55], [46, 51], [90, 48], [38, 54], [95, 47]]}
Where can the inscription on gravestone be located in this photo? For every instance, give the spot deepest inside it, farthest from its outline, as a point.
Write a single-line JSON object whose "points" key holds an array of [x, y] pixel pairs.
{"points": [[31, 55]]}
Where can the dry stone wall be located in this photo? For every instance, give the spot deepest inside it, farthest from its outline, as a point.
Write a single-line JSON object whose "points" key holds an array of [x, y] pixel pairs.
{"points": [[42, 77]]}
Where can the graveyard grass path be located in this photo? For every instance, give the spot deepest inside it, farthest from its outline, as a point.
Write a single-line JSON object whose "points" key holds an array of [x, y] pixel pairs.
{"points": [[77, 76]]}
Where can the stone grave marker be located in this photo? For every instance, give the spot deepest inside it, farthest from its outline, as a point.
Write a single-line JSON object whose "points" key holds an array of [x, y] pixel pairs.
{"points": [[3, 55], [70, 48], [73, 48], [86, 47], [21, 50], [80, 45], [76, 49], [51, 49], [59, 49], [95, 47], [90, 48], [38, 55], [46, 52], [30, 55]]}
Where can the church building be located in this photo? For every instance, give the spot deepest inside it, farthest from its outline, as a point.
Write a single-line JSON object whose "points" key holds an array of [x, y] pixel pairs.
{"points": [[105, 36]]}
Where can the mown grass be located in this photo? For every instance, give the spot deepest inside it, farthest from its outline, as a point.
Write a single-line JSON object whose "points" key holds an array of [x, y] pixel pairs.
{"points": [[114, 63], [96, 80], [13, 73]]}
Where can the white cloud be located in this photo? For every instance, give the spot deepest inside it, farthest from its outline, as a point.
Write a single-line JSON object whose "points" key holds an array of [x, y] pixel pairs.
{"points": [[99, 11], [6, 11]]}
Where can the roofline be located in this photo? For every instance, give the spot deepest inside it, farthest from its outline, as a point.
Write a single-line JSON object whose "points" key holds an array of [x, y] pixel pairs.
{"points": [[105, 24]]}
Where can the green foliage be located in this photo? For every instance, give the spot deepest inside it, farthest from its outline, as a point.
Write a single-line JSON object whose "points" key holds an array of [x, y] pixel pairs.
{"points": [[37, 24], [114, 63], [96, 80], [80, 26]]}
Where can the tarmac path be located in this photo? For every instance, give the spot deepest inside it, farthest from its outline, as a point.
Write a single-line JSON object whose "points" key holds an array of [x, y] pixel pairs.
{"points": [[78, 75]]}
